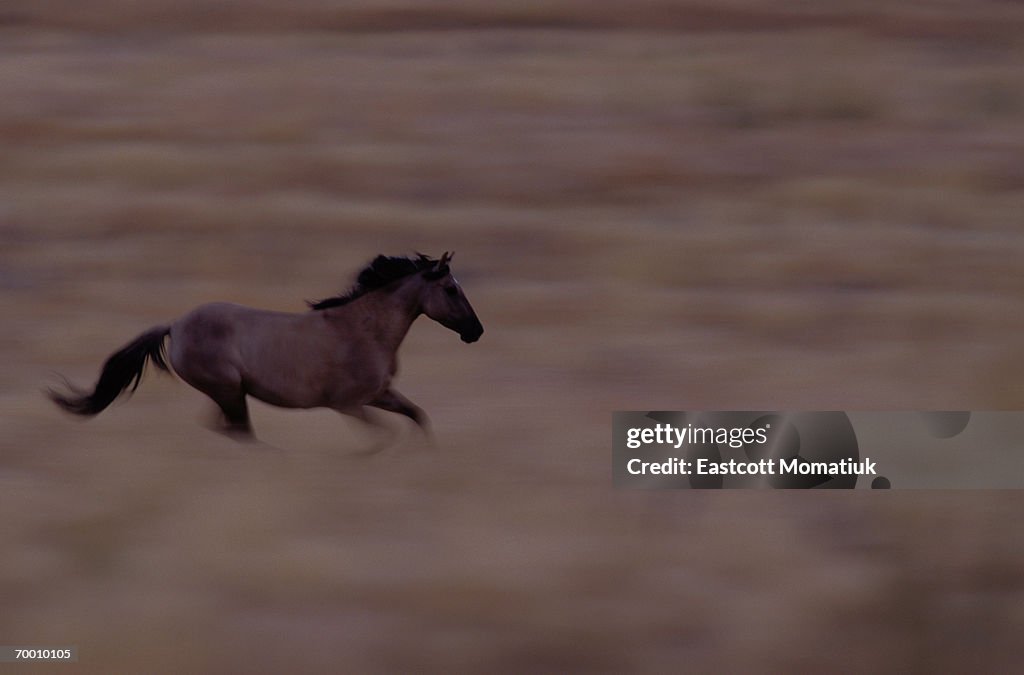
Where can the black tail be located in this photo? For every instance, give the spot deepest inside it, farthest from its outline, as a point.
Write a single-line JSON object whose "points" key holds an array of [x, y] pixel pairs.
{"points": [[120, 370]]}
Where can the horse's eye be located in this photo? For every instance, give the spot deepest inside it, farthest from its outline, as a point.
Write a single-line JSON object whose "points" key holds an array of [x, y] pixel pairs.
{"points": [[451, 291]]}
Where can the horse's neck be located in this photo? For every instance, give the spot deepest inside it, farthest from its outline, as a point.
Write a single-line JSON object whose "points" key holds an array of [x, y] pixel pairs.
{"points": [[388, 314]]}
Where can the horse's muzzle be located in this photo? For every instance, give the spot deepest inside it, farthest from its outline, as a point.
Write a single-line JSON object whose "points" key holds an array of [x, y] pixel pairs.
{"points": [[471, 336]]}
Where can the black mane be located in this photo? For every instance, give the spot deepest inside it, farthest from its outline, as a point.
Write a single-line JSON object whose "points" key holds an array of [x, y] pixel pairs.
{"points": [[379, 273]]}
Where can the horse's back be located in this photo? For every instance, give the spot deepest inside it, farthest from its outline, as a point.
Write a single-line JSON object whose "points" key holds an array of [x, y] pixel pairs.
{"points": [[214, 314]]}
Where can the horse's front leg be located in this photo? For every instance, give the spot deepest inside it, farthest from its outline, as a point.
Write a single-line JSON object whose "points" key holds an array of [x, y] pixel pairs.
{"points": [[392, 401], [386, 434]]}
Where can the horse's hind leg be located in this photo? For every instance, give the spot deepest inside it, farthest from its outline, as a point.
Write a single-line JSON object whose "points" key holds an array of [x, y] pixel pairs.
{"points": [[236, 414], [203, 356]]}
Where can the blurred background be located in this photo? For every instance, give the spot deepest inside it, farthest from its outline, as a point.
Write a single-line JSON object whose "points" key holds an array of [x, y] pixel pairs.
{"points": [[667, 205]]}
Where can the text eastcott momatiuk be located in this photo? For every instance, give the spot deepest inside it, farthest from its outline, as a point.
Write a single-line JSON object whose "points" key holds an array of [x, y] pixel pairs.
{"points": [[766, 467]]}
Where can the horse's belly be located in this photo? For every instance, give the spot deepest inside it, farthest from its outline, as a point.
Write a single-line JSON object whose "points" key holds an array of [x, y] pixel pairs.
{"points": [[340, 393], [282, 397]]}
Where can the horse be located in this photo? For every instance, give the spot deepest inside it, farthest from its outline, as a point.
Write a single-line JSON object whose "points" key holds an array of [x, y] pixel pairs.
{"points": [[341, 354]]}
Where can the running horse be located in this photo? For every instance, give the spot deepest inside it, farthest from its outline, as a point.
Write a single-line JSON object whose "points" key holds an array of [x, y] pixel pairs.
{"points": [[342, 354]]}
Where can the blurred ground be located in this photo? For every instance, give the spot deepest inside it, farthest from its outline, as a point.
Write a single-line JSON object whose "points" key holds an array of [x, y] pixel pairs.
{"points": [[742, 205]]}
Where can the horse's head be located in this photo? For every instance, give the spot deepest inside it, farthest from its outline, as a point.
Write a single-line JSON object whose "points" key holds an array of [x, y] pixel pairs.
{"points": [[444, 302]]}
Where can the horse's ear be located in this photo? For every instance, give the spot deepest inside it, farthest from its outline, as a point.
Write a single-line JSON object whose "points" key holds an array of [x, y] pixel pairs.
{"points": [[440, 267]]}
